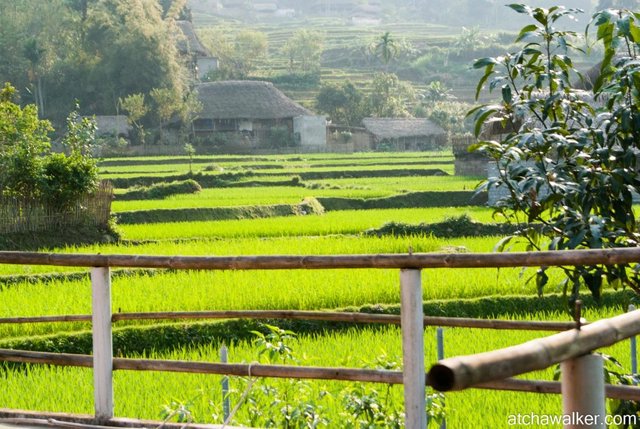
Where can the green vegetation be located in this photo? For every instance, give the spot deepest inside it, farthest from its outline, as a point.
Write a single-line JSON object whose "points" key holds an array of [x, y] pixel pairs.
{"points": [[571, 169], [505, 293], [29, 170]]}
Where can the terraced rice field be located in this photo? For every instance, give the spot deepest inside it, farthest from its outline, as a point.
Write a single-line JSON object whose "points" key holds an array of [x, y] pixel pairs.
{"points": [[504, 293]]}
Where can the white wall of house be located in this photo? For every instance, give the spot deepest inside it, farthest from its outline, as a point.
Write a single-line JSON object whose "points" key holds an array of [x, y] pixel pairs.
{"points": [[245, 125], [312, 130], [206, 65]]}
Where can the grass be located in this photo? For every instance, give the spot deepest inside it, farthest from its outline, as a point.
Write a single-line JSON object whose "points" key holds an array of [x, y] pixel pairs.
{"points": [[331, 223], [225, 197], [265, 195], [142, 394], [344, 171]]}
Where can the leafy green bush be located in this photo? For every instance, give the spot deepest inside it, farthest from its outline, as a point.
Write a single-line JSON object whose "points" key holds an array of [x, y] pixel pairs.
{"points": [[570, 165], [280, 137], [29, 170]]}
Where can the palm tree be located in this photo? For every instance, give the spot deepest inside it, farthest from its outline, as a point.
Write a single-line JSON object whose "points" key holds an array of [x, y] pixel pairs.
{"points": [[385, 48]]}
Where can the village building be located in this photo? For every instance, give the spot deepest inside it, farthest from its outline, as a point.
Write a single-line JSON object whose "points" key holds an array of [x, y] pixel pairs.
{"points": [[405, 134], [112, 126], [199, 60], [254, 114]]}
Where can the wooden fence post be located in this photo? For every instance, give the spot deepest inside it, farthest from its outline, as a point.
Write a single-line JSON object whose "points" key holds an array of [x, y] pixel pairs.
{"points": [[413, 373], [102, 343], [583, 398]]}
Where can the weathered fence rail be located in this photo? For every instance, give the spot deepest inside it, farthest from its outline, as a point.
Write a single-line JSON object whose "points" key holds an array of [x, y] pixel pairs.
{"points": [[325, 316], [488, 371]]}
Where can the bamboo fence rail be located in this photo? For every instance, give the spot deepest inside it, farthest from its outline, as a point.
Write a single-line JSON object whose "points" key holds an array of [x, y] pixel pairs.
{"points": [[461, 372], [290, 262], [491, 370], [351, 317]]}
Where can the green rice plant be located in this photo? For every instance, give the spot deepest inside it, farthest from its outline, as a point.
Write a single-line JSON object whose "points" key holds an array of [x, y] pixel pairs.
{"points": [[226, 197], [338, 222], [143, 394]]}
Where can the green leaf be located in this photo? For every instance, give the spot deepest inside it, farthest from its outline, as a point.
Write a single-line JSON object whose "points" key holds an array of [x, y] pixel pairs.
{"points": [[488, 71], [507, 96], [634, 31], [541, 280], [482, 116], [520, 8], [502, 244], [484, 62], [527, 30]]}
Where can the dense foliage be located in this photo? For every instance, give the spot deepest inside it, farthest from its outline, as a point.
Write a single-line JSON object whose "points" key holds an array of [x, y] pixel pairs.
{"points": [[569, 163], [95, 52], [28, 168]]}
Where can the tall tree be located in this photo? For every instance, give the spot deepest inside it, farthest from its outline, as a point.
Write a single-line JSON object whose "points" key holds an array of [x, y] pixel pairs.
{"points": [[385, 48], [304, 49], [344, 103], [239, 53], [134, 105], [131, 50], [389, 96], [167, 103]]}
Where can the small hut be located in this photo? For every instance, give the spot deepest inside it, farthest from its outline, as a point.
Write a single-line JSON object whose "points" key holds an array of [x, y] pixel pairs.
{"points": [[246, 111], [405, 134]]}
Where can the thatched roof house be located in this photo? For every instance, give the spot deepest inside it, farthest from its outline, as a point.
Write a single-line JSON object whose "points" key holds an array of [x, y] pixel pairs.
{"points": [[200, 60], [246, 100], [253, 110], [406, 133]]}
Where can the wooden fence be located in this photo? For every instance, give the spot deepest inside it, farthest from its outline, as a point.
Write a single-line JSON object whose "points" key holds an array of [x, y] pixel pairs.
{"points": [[490, 370], [26, 215]]}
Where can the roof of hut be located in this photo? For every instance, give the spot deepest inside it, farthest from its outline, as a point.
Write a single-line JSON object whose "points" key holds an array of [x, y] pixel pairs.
{"points": [[190, 43], [246, 100]]}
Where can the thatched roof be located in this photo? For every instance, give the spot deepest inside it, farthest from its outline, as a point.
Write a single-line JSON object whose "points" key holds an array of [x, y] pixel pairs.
{"points": [[190, 44], [244, 99], [389, 128]]}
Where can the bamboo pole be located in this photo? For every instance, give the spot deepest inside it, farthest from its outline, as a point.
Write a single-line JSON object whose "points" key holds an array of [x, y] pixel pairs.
{"points": [[102, 343], [54, 419], [413, 349], [259, 370], [583, 396], [430, 260], [46, 319], [86, 361], [465, 371], [461, 322], [58, 359], [553, 388]]}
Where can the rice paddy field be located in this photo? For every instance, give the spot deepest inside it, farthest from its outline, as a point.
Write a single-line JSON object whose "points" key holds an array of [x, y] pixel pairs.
{"points": [[41, 290]]}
